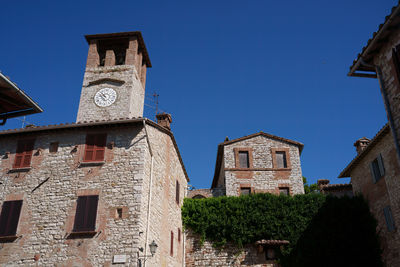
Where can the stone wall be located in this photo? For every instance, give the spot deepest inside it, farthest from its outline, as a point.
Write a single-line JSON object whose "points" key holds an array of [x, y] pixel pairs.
{"points": [[262, 176], [124, 80], [381, 194], [205, 254], [50, 188]]}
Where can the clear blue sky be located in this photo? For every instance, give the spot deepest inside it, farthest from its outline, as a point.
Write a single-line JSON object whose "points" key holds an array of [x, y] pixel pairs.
{"points": [[221, 68]]}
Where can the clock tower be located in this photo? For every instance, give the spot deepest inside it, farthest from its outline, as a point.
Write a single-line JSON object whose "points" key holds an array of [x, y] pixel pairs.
{"points": [[115, 76]]}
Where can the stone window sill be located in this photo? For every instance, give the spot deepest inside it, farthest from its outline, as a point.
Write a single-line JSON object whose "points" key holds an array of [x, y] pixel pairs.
{"points": [[84, 234], [25, 169], [5, 239], [91, 163]]}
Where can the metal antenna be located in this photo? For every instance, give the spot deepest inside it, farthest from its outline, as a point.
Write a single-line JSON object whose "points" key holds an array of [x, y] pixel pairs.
{"points": [[155, 96]]}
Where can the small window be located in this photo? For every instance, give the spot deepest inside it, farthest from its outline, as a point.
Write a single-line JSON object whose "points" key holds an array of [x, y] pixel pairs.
{"points": [[245, 191], [95, 147], [9, 217], [86, 212], [389, 218], [53, 147], [244, 159], [281, 161], [377, 169], [284, 191], [177, 192], [171, 250], [118, 213], [179, 234], [23, 155]]}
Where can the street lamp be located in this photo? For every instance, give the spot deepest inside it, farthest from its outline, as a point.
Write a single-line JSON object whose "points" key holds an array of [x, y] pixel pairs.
{"points": [[153, 248]]}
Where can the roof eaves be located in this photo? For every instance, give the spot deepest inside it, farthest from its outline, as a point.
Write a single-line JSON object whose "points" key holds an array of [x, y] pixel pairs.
{"points": [[371, 45]]}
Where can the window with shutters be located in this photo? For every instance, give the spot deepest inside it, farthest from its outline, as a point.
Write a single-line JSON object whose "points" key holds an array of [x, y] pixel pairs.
{"points": [[280, 158], [284, 190], [389, 218], [86, 212], [171, 250], [377, 168], [177, 192], [244, 159], [9, 217], [281, 161], [245, 191], [23, 155], [95, 148]]}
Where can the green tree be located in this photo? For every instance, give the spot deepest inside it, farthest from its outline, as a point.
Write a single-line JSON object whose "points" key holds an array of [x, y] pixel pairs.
{"points": [[309, 188]]}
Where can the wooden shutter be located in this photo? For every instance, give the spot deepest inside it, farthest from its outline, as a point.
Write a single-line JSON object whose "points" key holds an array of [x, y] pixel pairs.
{"points": [[95, 147], [177, 192], [179, 234], [243, 159], [23, 155], [389, 218], [9, 217], [85, 216], [381, 166], [281, 161], [171, 251]]}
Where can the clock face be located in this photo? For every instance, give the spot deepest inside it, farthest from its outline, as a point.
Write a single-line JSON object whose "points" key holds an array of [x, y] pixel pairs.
{"points": [[105, 97]]}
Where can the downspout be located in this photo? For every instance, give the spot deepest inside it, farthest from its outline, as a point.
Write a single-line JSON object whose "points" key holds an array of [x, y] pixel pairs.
{"points": [[149, 193], [387, 104]]}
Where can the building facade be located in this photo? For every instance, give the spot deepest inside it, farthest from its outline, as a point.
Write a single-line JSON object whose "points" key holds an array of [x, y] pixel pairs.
{"points": [[258, 163], [374, 173], [99, 191]]}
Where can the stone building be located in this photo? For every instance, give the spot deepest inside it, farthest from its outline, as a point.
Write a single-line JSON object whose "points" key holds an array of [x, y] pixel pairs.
{"points": [[374, 173], [98, 191], [257, 163]]}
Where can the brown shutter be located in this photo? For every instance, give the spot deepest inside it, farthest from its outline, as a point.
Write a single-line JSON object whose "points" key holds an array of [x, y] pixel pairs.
{"points": [[177, 192], [100, 146], [86, 212], [179, 234], [23, 154], [89, 148], [9, 217], [95, 147], [171, 252], [243, 159], [281, 159]]}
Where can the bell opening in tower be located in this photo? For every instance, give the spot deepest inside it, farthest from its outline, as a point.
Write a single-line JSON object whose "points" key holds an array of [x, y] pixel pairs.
{"points": [[116, 51]]}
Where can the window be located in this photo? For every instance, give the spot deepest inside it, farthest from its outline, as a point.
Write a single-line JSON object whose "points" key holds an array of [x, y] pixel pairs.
{"points": [[377, 168], [53, 147], [244, 159], [389, 218], [85, 216], [23, 154], [171, 250], [245, 191], [281, 161], [118, 214], [284, 190], [177, 192], [396, 60], [179, 234], [9, 217], [95, 147]]}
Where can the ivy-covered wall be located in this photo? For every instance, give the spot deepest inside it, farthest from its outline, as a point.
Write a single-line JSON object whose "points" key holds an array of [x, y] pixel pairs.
{"points": [[322, 230]]}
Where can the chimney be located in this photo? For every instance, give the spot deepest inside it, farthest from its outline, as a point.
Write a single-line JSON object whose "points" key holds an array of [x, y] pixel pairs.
{"points": [[361, 144], [322, 182], [164, 120]]}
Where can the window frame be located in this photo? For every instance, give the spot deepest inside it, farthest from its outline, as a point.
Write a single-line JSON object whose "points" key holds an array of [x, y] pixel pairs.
{"points": [[84, 213], [274, 152], [285, 188], [13, 216], [387, 212], [245, 186], [99, 145], [377, 168], [24, 153], [237, 151]]}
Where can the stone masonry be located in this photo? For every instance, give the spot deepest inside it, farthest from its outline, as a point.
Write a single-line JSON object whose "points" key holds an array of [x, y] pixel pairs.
{"points": [[50, 187], [263, 175], [382, 193]]}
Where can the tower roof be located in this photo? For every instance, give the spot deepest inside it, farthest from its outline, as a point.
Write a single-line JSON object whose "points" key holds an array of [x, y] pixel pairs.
{"points": [[137, 34]]}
